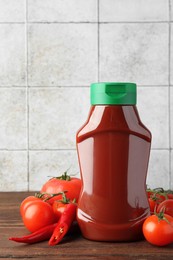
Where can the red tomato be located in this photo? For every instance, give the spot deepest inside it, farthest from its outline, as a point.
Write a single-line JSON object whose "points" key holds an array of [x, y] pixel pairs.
{"points": [[166, 206], [26, 202], [155, 199], [149, 193], [159, 197], [170, 196], [152, 204], [158, 230], [38, 214], [64, 183], [157, 194], [58, 208]]}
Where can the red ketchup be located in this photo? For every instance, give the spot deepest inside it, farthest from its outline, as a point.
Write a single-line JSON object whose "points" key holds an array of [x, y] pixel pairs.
{"points": [[113, 150]]}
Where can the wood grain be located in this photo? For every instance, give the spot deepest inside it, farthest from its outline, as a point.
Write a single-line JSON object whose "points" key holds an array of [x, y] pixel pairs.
{"points": [[72, 247]]}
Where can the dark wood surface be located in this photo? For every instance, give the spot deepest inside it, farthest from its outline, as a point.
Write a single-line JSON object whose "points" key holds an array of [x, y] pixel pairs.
{"points": [[73, 247]]}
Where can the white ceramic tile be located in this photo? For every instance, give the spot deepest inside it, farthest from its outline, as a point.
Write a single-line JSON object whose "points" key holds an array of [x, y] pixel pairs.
{"points": [[55, 116], [45, 164], [13, 119], [134, 52], [134, 10], [171, 6], [12, 54], [13, 171], [171, 170], [62, 10], [171, 54], [12, 11], [158, 172], [62, 54], [171, 115], [153, 109]]}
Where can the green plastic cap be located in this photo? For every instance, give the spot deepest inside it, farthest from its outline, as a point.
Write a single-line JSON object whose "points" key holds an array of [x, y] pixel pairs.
{"points": [[113, 93]]}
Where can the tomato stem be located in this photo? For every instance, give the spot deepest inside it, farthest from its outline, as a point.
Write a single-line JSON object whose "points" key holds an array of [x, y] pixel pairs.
{"points": [[156, 198], [158, 191], [48, 196], [65, 200], [161, 216], [64, 177]]}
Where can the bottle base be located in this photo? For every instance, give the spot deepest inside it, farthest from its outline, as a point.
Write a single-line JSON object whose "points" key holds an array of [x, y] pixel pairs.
{"points": [[122, 232], [115, 237]]}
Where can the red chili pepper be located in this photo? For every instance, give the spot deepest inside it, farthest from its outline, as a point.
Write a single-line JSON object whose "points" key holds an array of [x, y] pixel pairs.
{"points": [[40, 235], [64, 224]]}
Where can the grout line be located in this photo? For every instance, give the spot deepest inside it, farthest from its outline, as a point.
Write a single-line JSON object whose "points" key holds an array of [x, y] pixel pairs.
{"points": [[169, 94], [56, 22], [38, 150], [153, 86], [27, 102], [74, 86], [160, 149], [12, 150], [102, 22], [58, 86], [131, 22], [88, 22], [13, 87], [46, 87], [50, 150], [12, 22], [63, 149]]}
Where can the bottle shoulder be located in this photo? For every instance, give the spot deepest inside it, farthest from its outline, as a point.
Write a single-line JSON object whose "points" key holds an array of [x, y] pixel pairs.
{"points": [[113, 118]]}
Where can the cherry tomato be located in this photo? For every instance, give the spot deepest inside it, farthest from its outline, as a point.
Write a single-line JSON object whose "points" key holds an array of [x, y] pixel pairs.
{"points": [[166, 206], [149, 193], [37, 215], [158, 230], [152, 204], [170, 196], [159, 197], [71, 185], [154, 199], [26, 202], [158, 194]]}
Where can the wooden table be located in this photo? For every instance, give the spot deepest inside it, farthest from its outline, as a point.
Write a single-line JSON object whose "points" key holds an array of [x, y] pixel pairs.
{"points": [[74, 247]]}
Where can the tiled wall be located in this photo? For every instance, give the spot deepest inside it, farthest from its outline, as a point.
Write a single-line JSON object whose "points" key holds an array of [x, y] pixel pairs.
{"points": [[50, 52]]}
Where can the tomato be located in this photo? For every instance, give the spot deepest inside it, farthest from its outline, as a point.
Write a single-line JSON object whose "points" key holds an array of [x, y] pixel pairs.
{"points": [[149, 193], [170, 195], [58, 208], [38, 214], [155, 198], [158, 194], [153, 205], [159, 197], [64, 183], [158, 229], [26, 202], [166, 206]]}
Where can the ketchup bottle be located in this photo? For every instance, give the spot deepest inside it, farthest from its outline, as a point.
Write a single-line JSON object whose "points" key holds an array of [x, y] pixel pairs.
{"points": [[113, 151]]}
